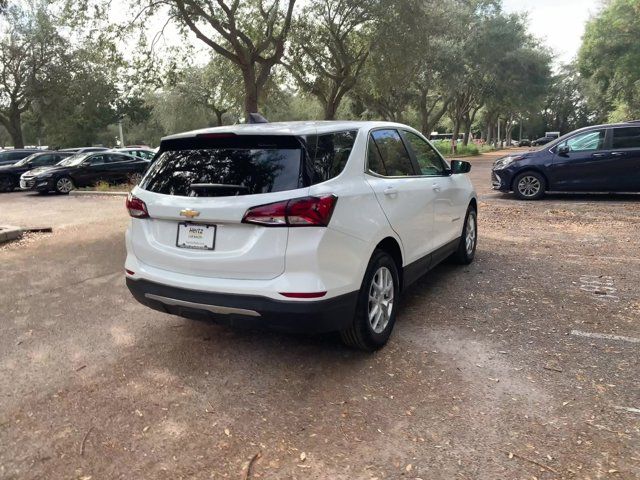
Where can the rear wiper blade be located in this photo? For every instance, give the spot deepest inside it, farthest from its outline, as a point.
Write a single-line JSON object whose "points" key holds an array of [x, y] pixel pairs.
{"points": [[217, 186]]}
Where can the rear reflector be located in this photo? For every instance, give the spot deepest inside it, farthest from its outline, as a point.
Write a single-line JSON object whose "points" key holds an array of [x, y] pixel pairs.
{"points": [[136, 207], [129, 272], [303, 294], [298, 212]]}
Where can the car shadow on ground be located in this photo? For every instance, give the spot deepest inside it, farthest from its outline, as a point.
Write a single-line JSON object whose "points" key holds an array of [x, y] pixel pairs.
{"points": [[328, 346]]}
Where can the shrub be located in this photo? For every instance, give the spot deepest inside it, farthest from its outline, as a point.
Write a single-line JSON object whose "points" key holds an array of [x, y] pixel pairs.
{"points": [[444, 147]]}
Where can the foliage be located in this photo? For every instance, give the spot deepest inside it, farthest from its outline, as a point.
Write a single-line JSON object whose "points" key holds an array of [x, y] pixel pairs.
{"points": [[215, 86], [251, 34], [31, 53], [329, 49], [609, 59], [444, 147]]}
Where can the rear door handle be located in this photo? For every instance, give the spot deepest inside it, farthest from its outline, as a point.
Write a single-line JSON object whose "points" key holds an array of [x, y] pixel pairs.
{"points": [[436, 187], [390, 191], [617, 154]]}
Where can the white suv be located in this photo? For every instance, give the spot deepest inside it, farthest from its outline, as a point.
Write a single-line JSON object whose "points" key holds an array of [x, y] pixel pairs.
{"points": [[301, 226]]}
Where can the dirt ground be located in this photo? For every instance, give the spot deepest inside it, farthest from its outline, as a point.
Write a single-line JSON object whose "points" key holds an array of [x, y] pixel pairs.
{"points": [[494, 371]]}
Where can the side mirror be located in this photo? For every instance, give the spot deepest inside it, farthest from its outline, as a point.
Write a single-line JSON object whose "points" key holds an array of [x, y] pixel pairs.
{"points": [[564, 149], [458, 166]]}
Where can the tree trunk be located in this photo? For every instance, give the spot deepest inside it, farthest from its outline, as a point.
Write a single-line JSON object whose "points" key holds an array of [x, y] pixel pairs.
{"points": [[219, 113], [425, 126], [251, 91], [330, 109], [467, 131], [14, 128]]}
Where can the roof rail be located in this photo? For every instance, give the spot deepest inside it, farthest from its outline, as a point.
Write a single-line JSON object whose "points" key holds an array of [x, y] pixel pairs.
{"points": [[633, 121]]}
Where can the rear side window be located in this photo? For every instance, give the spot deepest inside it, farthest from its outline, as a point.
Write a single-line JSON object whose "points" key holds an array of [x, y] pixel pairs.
{"points": [[213, 172], [393, 154], [43, 160], [626, 137], [329, 153]]}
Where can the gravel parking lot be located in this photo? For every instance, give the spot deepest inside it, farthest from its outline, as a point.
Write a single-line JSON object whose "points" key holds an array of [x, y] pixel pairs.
{"points": [[522, 365]]}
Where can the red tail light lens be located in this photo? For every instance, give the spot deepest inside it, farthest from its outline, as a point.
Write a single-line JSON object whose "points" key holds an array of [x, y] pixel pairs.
{"points": [[298, 212], [136, 207]]}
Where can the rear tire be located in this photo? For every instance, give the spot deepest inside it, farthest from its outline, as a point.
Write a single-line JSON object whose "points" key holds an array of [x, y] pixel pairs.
{"points": [[469, 240], [64, 185], [529, 186], [377, 305]]}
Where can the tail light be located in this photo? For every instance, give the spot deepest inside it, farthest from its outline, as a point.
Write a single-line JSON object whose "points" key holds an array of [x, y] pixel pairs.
{"points": [[136, 207], [298, 212]]}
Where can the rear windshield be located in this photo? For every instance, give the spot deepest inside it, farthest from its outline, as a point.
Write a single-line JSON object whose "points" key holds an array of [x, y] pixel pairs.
{"points": [[227, 164], [213, 172]]}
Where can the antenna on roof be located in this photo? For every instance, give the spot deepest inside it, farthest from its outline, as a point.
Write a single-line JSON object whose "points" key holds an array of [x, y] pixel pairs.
{"points": [[257, 118]]}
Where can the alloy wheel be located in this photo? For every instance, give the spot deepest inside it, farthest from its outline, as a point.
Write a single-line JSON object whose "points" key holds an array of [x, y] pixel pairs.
{"points": [[471, 236], [381, 294], [529, 186], [64, 185]]}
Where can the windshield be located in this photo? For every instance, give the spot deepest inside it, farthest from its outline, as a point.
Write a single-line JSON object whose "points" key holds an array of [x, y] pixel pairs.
{"points": [[25, 160], [73, 161]]}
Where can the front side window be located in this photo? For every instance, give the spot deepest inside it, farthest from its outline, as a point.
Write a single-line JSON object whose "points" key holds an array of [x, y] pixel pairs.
{"points": [[429, 160], [586, 142], [628, 137], [394, 160], [329, 153]]}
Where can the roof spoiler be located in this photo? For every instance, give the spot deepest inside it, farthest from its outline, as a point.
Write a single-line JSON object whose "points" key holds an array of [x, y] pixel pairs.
{"points": [[256, 118]]}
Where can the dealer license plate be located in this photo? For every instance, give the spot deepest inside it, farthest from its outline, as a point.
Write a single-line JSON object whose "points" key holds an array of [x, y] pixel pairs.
{"points": [[197, 236]]}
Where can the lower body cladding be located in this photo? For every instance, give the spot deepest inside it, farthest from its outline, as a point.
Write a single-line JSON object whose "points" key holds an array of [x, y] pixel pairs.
{"points": [[249, 311]]}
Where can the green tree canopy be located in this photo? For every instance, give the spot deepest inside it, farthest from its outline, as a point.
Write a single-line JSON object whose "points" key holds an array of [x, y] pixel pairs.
{"points": [[610, 58]]}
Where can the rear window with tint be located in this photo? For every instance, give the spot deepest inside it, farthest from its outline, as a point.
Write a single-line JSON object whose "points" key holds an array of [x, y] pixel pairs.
{"points": [[330, 153], [213, 172], [626, 137]]}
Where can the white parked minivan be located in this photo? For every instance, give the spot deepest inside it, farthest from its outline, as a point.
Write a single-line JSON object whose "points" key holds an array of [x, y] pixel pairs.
{"points": [[297, 226]]}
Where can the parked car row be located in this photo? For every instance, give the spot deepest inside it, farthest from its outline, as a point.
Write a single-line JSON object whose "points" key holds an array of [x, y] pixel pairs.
{"points": [[63, 170]]}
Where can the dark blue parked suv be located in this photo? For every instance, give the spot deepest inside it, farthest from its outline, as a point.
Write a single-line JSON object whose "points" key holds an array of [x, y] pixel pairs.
{"points": [[602, 158]]}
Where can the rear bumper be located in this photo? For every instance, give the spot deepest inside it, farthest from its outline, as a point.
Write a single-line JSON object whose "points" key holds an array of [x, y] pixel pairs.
{"points": [[247, 310]]}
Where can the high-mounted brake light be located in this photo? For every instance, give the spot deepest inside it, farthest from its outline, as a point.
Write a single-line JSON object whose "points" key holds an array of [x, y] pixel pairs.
{"points": [[298, 212], [136, 207], [216, 135]]}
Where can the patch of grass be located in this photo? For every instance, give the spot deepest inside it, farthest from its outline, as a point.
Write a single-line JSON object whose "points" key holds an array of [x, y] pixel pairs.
{"points": [[108, 187], [444, 147]]}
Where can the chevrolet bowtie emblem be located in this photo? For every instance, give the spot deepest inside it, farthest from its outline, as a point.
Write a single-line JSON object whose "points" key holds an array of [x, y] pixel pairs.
{"points": [[189, 213]]}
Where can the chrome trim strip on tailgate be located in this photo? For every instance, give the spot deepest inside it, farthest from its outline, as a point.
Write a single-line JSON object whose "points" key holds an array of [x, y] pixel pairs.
{"points": [[203, 306]]}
